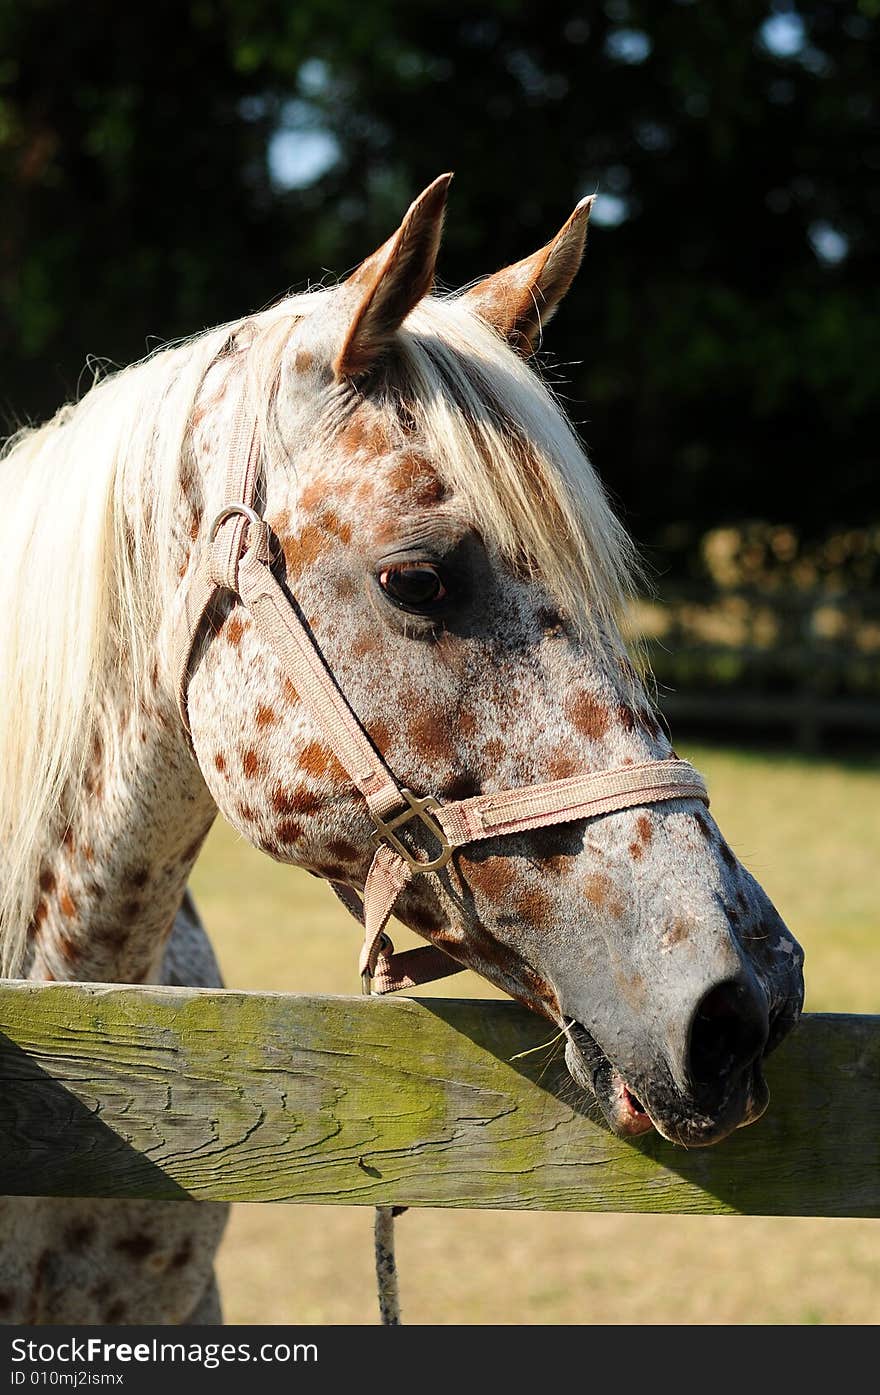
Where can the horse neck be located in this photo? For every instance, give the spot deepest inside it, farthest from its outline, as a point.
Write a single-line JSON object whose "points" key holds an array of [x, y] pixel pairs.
{"points": [[115, 863]]}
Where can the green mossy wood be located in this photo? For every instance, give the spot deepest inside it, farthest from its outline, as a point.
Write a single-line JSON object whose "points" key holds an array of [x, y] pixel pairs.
{"points": [[141, 1092]]}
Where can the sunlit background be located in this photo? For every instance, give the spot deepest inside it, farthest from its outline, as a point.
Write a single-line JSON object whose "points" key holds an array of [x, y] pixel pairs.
{"points": [[166, 166]]}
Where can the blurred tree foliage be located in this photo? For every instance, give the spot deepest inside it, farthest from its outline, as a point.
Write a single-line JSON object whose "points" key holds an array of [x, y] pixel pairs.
{"points": [[166, 165]]}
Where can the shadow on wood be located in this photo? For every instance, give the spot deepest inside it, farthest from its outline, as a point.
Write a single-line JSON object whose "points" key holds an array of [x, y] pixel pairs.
{"points": [[53, 1144]]}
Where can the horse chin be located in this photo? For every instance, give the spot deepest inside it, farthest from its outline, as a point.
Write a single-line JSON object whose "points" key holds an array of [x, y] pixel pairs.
{"points": [[591, 1069], [627, 1115]]}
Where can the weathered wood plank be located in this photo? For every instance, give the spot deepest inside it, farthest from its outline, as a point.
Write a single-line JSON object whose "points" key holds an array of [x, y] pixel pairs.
{"points": [[141, 1092]]}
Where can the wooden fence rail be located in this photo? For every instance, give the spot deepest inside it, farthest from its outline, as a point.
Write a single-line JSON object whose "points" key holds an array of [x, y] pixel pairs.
{"points": [[167, 1093]]}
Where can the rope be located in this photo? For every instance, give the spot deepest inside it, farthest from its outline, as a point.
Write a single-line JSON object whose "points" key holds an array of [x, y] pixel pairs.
{"points": [[383, 1241], [386, 1266]]}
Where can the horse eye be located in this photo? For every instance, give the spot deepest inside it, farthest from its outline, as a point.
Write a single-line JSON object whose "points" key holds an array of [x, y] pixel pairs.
{"points": [[413, 585]]}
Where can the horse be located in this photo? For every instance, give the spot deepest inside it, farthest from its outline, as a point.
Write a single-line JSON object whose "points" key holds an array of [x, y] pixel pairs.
{"points": [[428, 532]]}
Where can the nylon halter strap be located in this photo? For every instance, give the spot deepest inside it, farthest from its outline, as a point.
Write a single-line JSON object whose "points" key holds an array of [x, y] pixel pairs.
{"points": [[240, 561]]}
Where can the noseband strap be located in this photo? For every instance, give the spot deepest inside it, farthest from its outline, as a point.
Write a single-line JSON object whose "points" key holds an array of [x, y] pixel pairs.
{"points": [[239, 560]]}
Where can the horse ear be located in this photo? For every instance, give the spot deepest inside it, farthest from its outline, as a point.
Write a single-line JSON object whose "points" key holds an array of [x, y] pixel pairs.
{"points": [[519, 300], [392, 281]]}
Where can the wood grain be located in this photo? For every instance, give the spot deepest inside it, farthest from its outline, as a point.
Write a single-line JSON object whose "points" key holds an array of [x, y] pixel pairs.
{"points": [[141, 1092]]}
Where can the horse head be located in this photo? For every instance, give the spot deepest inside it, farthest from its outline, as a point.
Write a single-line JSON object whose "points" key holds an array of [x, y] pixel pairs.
{"points": [[438, 532]]}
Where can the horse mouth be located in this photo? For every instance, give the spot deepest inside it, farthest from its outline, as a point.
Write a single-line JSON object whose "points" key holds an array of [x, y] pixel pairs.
{"points": [[590, 1068], [687, 1123]]}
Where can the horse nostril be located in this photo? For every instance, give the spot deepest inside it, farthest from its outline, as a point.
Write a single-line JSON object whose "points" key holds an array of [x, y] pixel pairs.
{"points": [[728, 1031]]}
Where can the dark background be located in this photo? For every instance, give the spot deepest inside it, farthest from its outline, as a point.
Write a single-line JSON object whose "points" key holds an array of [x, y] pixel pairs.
{"points": [[169, 165]]}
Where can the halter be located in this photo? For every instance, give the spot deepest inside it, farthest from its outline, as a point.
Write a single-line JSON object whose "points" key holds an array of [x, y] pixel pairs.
{"points": [[239, 560]]}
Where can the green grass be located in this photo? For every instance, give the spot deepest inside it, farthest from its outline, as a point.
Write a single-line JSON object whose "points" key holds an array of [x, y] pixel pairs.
{"points": [[810, 831]]}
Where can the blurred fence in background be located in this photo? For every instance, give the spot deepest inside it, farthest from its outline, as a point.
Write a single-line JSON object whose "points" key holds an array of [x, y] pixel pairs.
{"points": [[776, 639]]}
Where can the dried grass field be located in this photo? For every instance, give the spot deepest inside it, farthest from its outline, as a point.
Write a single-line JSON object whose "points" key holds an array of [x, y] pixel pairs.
{"points": [[810, 831]]}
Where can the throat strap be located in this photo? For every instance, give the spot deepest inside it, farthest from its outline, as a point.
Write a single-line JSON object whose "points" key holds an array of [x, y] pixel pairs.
{"points": [[239, 560]]}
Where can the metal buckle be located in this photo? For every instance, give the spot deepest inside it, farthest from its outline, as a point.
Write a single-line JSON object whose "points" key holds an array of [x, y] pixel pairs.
{"points": [[230, 512], [420, 809]]}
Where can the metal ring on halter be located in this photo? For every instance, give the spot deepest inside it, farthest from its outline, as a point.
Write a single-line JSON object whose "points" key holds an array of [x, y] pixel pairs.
{"points": [[385, 945], [230, 511]]}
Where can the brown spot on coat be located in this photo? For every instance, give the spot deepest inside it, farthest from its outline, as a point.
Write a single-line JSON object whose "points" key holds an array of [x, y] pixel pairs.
{"points": [[360, 434], [332, 523], [136, 1247], [600, 892], [466, 722], [380, 736], [632, 989], [252, 764], [182, 1255], [233, 631], [280, 522], [67, 905], [342, 851], [345, 588], [597, 888], [47, 881], [303, 549], [41, 1274], [220, 762], [428, 734], [318, 760], [78, 1235], [588, 714], [310, 500], [561, 766], [676, 932], [644, 829], [266, 715], [411, 474], [297, 801], [68, 948], [493, 876], [535, 907], [364, 644], [288, 832]]}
